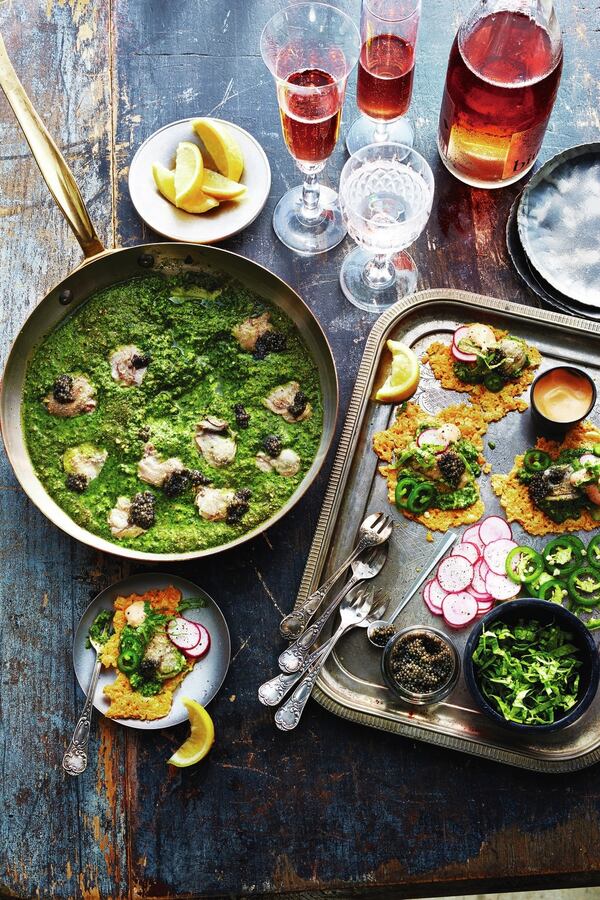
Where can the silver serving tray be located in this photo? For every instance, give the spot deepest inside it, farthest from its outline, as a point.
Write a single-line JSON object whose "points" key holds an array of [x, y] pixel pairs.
{"points": [[351, 684]]}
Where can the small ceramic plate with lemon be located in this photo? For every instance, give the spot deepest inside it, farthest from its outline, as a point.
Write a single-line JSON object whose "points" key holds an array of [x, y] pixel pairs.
{"points": [[199, 180], [200, 685]]}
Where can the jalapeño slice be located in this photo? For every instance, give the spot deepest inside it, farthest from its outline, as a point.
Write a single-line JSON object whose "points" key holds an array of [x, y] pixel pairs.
{"points": [[553, 590], [563, 555], [593, 552], [493, 382], [536, 460], [403, 489], [524, 565], [128, 661], [584, 586], [420, 497]]}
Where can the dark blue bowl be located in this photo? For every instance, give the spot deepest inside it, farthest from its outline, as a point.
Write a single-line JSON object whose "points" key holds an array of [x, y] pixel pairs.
{"points": [[543, 611]]}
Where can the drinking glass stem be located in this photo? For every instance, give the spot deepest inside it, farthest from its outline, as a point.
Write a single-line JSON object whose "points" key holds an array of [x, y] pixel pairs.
{"points": [[381, 134], [379, 272], [311, 208]]}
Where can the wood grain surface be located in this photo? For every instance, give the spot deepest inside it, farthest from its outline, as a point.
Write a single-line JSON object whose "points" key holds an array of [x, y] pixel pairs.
{"points": [[332, 807]]}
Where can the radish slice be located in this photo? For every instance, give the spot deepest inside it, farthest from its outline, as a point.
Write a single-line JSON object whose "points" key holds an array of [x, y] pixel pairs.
{"points": [[483, 608], [183, 633], [463, 357], [455, 573], [436, 594], [431, 437], [459, 609], [480, 596], [468, 550], [203, 645], [478, 583], [471, 536], [496, 553], [436, 610], [494, 529], [459, 334], [501, 587]]}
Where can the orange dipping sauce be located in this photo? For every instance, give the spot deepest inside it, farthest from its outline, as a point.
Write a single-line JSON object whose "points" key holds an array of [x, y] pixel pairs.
{"points": [[563, 395]]}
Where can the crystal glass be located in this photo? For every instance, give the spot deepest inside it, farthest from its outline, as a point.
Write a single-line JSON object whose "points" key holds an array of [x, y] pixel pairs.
{"points": [[388, 31], [386, 193], [310, 49], [503, 75]]}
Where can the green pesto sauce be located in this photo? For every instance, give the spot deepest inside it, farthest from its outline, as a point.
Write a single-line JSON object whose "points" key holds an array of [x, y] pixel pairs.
{"points": [[197, 368]]}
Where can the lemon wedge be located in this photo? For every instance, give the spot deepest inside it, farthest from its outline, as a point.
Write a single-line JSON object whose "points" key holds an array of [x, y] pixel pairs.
{"points": [[189, 169], [221, 146], [222, 188], [165, 182], [200, 740], [403, 377]]}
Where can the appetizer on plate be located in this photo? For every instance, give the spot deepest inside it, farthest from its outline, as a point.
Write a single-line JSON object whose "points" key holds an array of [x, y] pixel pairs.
{"points": [[153, 648], [172, 414], [432, 464], [555, 487], [492, 365]]}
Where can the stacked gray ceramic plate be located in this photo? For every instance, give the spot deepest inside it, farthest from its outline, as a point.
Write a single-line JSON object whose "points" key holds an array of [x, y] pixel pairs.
{"points": [[553, 232]]}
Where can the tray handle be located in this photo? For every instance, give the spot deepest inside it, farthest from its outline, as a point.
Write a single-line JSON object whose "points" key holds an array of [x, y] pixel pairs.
{"points": [[52, 164]]}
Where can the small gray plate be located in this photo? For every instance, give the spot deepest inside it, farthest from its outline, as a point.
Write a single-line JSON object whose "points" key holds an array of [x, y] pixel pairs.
{"points": [[205, 679], [559, 223], [534, 281]]}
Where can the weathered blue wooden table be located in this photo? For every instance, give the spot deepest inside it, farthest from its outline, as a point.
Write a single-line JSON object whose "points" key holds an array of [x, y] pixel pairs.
{"points": [[332, 806]]}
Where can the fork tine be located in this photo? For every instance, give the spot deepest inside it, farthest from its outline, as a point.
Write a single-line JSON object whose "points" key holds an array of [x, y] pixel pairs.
{"points": [[377, 520]]}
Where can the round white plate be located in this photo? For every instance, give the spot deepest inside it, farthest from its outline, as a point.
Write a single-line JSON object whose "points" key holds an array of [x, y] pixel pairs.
{"points": [[206, 228], [202, 683]]}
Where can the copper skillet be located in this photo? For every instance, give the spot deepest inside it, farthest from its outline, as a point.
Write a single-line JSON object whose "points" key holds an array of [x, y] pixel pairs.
{"points": [[103, 268]]}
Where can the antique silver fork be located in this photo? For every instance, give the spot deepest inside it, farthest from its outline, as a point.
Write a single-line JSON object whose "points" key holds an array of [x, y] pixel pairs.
{"points": [[375, 530], [353, 611], [273, 691], [293, 657]]}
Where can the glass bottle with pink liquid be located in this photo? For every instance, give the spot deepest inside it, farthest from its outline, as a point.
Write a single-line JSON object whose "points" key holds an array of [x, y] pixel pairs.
{"points": [[501, 84]]}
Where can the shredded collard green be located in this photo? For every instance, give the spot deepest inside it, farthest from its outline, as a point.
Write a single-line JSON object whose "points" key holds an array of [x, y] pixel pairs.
{"points": [[528, 671]]}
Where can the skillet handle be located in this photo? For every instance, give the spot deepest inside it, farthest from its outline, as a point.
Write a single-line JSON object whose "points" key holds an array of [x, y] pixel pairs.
{"points": [[51, 162]]}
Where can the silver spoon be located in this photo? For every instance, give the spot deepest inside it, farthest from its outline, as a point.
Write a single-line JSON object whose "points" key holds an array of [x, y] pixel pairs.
{"points": [[353, 611], [375, 530], [273, 691], [294, 656], [448, 541], [75, 759]]}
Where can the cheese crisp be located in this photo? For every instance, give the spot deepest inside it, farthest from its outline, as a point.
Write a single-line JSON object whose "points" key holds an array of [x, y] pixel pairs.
{"points": [[493, 405], [411, 420], [125, 702], [515, 497]]}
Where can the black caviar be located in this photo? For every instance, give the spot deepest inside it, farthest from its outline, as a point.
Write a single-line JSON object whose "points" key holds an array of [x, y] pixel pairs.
{"points": [[142, 512], [298, 405], [382, 634], [77, 483], [273, 445], [242, 418], [421, 663], [62, 389]]}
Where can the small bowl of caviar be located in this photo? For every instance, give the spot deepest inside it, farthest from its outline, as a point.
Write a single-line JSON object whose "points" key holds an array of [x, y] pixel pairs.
{"points": [[420, 665]]}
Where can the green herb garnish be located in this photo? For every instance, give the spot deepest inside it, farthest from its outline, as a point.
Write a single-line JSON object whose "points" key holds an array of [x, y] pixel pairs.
{"points": [[190, 603], [100, 629], [528, 671]]}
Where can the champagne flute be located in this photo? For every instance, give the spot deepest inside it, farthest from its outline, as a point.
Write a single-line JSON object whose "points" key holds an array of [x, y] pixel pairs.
{"points": [[386, 194], [388, 31], [310, 49]]}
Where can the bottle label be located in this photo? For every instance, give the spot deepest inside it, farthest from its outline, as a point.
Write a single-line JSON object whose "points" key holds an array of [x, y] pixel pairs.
{"points": [[523, 150]]}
